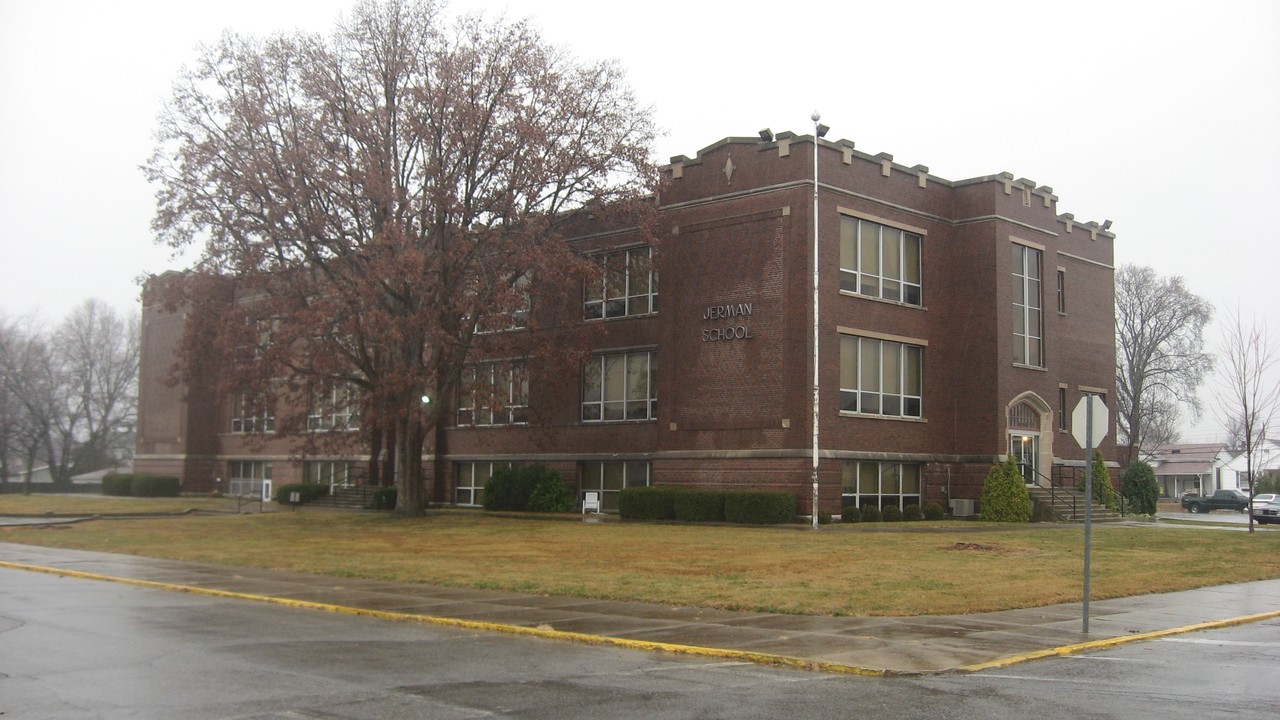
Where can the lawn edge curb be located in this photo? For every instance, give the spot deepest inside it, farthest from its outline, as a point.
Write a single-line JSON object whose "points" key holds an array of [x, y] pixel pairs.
{"points": [[538, 632], [1104, 643]]}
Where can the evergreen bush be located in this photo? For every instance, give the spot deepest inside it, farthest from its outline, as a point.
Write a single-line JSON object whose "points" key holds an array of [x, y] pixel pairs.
{"points": [[118, 484], [648, 503], [515, 488], [1103, 492], [912, 513], [850, 514], [1004, 495], [385, 498], [308, 492], [154, 486], [934, 511], [699, 505], [871, 513], [1140, 490], [551, 495], [891, 513], [510, 489], [759, 507]]}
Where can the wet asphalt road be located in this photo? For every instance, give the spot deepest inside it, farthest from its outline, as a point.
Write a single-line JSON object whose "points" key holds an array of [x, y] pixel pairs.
{"points": [[73, 649]]}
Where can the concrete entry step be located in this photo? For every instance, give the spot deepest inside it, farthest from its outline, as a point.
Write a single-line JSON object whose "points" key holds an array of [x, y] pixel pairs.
{"points": [[1067, 505]]}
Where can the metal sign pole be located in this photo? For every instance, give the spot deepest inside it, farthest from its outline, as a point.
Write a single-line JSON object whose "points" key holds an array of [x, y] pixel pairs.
{"points": [[1088, 508]]}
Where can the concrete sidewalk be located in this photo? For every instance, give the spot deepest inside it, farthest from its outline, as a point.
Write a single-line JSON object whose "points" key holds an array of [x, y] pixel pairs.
{"points": [[871, 646]]}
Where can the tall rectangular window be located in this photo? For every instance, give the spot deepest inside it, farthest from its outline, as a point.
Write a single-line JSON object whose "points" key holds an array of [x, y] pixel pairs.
{"points": [[1062, 290], [494, 394], [471, 479], [330, 472], [880, 484], [880, 261], [335, 408], [511, 311], [609, 479], [628, 285], [1062, 408], [1028, 333], [251, 414], [880, 377], [620, 386]]}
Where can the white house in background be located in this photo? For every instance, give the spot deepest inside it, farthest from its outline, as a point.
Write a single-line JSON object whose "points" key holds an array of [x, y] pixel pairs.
{"points": [[39, 475], [1266, 459], [1197, 468]]}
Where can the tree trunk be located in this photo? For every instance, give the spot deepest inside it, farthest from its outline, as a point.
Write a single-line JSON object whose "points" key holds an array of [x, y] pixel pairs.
{"points": [[411, 500]]}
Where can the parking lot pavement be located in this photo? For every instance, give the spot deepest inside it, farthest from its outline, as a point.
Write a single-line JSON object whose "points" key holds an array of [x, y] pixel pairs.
{"points": [[867, 645]]}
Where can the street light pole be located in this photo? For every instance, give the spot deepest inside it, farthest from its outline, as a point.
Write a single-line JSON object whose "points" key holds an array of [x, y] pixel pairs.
{"points": [[818, 132]]}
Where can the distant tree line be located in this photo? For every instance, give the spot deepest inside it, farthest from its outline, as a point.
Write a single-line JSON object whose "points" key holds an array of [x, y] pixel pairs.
{"points": [[68, 395]]}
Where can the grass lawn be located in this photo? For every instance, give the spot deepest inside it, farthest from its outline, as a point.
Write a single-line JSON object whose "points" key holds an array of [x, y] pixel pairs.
{"points": [[873, 569], [39, 504]]}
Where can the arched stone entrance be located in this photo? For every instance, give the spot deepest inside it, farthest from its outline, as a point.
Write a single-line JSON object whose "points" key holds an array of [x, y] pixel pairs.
{"points": [[1029, 428]]}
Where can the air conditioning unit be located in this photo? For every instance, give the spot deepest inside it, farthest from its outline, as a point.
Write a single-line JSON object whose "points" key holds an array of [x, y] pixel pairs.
{"points": [[962, 508]]}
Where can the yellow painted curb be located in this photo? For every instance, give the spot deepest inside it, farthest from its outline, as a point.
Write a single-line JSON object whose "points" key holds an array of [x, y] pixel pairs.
{"points": [[1115, 641], [539, 632]]}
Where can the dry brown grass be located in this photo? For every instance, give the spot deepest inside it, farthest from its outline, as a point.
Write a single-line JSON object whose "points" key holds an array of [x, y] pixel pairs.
{"points": [[842, 570], [39, 504]]}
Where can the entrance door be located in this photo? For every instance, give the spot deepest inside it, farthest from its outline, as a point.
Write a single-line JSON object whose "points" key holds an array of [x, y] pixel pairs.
{"points": [[1024, 448]]}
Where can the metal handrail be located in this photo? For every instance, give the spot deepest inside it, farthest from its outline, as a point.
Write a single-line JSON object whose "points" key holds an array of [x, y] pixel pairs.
{"points": [[1054, 489]]}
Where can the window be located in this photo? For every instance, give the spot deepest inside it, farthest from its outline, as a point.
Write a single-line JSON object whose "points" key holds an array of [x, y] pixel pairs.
{"points": [[249, 477], [621, 386], [880, 484], [880, 377], [628, 285], [880, 261], [335, 409], [329, 472], [1062, 408], [251, 414], [609, 478], [516, 315], [472, 477], [1062, 290], [1028, 337], [494, 394]]}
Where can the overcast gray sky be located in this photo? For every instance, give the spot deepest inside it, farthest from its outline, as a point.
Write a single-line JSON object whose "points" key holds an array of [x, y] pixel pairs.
{"points": [[1162, 117]]}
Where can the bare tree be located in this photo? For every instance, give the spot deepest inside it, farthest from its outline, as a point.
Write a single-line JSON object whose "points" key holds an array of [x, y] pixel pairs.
{"points": [[1160, 358], [35, 403], [1249, 397], [98, 351], [382, 197]]}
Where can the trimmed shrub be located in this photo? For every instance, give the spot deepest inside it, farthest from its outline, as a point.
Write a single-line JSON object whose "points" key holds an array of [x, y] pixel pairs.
{"points": [[934, 511], [119, 484], [912, 513], [1140, 490], [759, 507], [528, 488], [871, 513], [551, 495], [699, 505], [850, 514], [1103, 492], [308, 492], [154, 486], [824, 518], [891, 513], [510, 488], [385, 498], [648, 503], [1004, 495]]}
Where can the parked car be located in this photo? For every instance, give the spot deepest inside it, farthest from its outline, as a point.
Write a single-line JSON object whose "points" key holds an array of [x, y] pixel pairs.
{"points": [[1263, 498], [1268, 513], [1219, 500]]}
